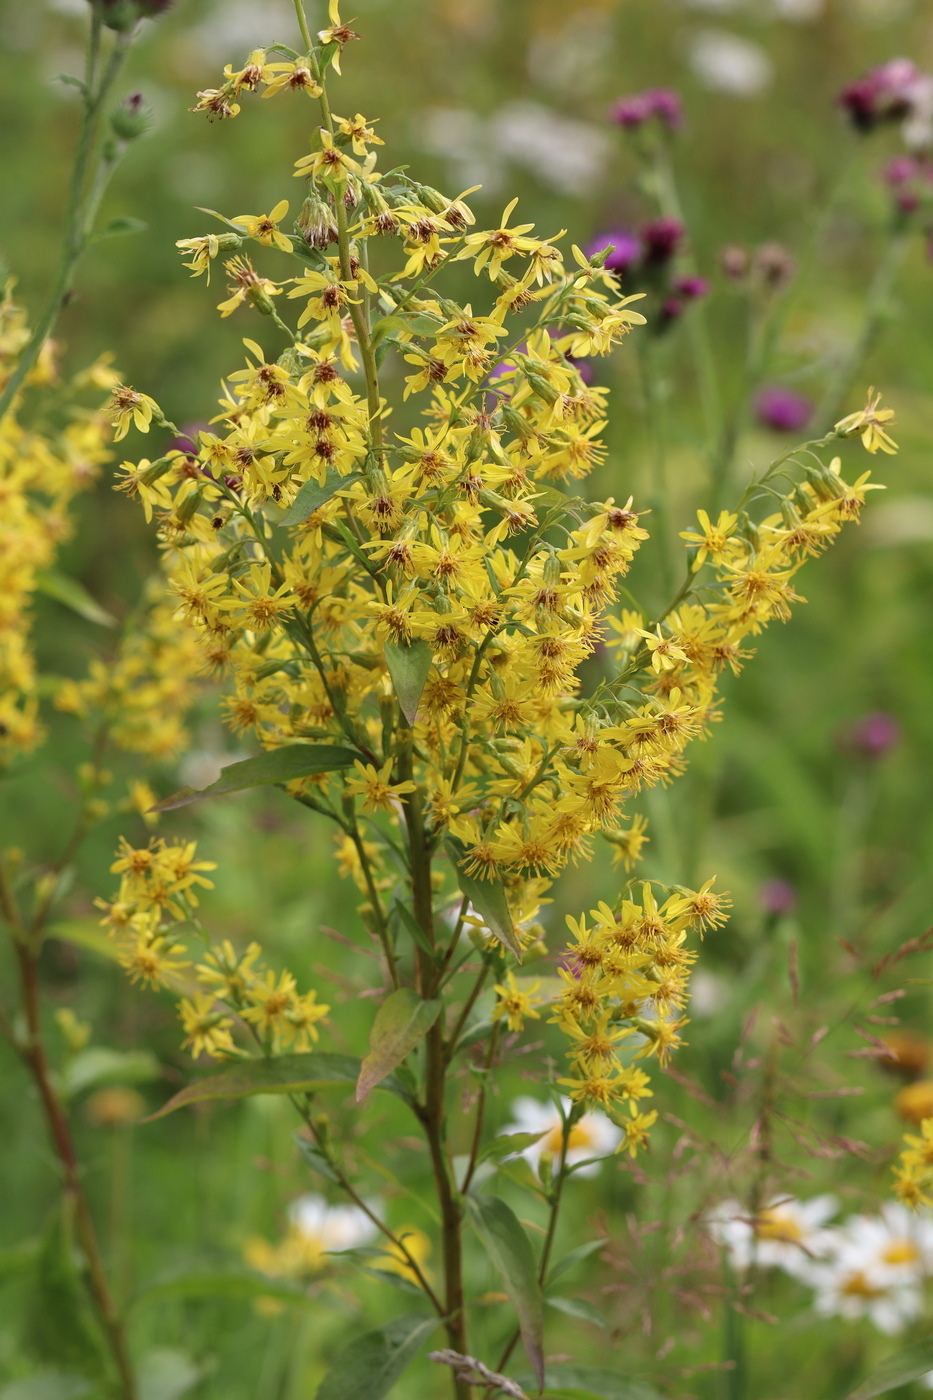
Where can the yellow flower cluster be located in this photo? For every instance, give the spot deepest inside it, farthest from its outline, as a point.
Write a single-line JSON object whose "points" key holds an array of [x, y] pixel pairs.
{"points": [[156, 900], [913, 1176], [42, 469], [422, 600]]}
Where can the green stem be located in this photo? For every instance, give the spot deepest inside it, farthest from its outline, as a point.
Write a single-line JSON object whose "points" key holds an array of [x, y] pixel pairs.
{"points": [[481, 1107], [77, 234], [33, 1052]]}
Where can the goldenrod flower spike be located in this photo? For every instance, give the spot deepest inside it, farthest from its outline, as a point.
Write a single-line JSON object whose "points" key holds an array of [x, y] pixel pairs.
{"points": [[869, 423]]}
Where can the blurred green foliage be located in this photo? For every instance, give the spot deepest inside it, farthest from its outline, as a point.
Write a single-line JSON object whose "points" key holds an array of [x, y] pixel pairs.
{"points": [[779, 791]]}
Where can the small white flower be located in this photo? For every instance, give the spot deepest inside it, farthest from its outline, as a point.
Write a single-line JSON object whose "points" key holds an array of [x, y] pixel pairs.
{"points": [[593, 1136], [726, 63], [786, 1234], [844, 1288], [330, 1227]]}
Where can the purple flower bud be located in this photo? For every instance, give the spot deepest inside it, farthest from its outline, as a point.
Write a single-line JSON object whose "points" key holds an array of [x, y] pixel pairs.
{"points": [[899, 170], [666, 104], [672, 308], [777, 896], [885, 94], [908, 202], [626, 249], [660, 239], [631, 112], [734, 261], [875, 734], [782, 409], [691, 287]]}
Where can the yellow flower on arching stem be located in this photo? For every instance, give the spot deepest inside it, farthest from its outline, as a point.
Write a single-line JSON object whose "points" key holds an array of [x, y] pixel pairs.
{"points": [[330, 163], [665, 653], [336, 33], [627, 844], [126, 406], [265, 227], [359, 131], [489, 248], [151, 961], [374, 787], [515, 1004], [714, 542], [636, 1129], [247, 285], [271, 1002], [295, 76], [869, 423], [207, 1031]]}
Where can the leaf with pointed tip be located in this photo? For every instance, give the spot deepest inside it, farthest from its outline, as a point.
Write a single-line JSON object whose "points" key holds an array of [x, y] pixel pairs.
{"points": [[510, 1251], [902, 1367], [571, 1382], [232, 1282], [401, 1021], [285, 1074], [409, 666], [275, 766], [576, 1307], [488, 899], [73, 595], [370, 1365], [571, 1260], [119, 228], [312, 496], [508, 1145]]}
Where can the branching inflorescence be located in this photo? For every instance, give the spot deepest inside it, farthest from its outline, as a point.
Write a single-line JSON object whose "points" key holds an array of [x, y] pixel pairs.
{"points": [[403, 620]]}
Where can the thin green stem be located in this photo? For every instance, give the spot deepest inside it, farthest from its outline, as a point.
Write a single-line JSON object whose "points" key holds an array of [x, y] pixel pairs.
{"points": [[481, 1107], [76, 234]]}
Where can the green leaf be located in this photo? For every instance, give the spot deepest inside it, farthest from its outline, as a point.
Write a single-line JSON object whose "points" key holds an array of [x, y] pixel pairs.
{"points": [[414, 928], [312, 496], [576, 1307], [17, 1258], [507, 1144], [60, 1330], [315, 1159], [370, 1365], [285, 1074], [488, 899], [908, 1364], [120, 227], [570, 1382], [409, 666], [86, 933], [510, 1250], [48, 1385], [167, 1374], [230, 1282], [100, 1065], [275, 766], [571, 1260], [73, 595], [401, 1021]]}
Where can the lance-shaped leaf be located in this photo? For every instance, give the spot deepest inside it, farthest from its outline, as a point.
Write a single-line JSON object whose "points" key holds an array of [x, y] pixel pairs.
{"points": [[312, 496], [571, 1382], [368, 1367], [275, 766], [73, 595], [213, 1282], [408, 666], [488, 899], [401, 1021], [285, 1074], [510, 1250], [904, 1366]]}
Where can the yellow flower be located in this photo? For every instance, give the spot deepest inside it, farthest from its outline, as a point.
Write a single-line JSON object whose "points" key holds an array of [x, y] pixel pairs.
{"points": [[714, 542], [515, 1003], [869, 423], [295, 76], [265, 227], [636, 1130], [374, 787], [336, 33], [127, 406], [207, 1032], [330, 164]]}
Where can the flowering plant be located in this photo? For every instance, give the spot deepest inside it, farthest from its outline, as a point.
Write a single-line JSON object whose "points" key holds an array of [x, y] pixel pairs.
{"points": [[415, 626]]}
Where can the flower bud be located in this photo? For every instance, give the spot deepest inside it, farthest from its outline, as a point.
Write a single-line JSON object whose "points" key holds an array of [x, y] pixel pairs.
{"points": [[130, 119]]}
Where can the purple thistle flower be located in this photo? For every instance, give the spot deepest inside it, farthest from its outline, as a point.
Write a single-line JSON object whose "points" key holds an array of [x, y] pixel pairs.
{"points": [[886, 93], [626, 249], [691, 287], [665, 103], [777, 896], [899, 170], [661, 238], [631, 112], [782, 409], [875, 734]]}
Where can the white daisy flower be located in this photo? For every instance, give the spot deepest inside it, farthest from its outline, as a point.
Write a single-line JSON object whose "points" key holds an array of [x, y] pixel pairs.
{"points": [[330, 1227], [593, 1136], [786, 1234], [847, 1287]]}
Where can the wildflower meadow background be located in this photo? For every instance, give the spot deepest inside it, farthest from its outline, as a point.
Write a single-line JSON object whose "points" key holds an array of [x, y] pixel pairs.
{"points": [[763, 173]]}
